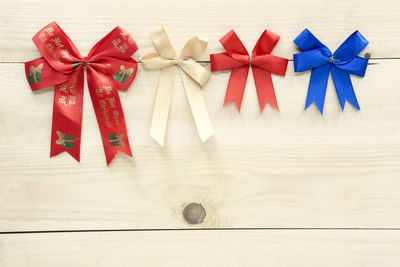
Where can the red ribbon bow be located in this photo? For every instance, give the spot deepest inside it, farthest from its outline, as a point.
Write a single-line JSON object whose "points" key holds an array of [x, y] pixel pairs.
{"points": [[109, 67], [262, 62]]}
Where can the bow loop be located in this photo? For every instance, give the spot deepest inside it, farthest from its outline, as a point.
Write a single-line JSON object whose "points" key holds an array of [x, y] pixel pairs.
{"points": [[307, 41], [194, 48], [310, 59], [112, 56], [117, 44], [265, 43], [224, 61], [271, 63], [232, 44], [356, 66], [56, 47], [162, 43], [196, 71], [351, 47], [154, 61], [242, 59]]}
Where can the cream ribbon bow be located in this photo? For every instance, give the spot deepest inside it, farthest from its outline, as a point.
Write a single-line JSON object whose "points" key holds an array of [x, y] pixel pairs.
{"points": [[193, 75]]}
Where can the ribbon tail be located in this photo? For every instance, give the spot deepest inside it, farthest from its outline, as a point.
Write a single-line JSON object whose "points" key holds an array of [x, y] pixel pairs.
{"points": [[198, 107], [67, 116], [109, 114], [162, 103], [236, 85], [264, 87], [344, 88], [317, 87]]}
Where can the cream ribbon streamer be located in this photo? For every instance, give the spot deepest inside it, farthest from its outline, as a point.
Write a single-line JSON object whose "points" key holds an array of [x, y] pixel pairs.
{"points": [[193, 75]]}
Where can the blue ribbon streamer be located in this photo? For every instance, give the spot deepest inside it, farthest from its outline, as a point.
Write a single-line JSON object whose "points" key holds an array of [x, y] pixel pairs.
{"points": [[342, 63]]}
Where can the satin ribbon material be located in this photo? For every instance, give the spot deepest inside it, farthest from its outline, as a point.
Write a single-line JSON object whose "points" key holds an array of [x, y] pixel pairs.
{"points": [[62, 67], [342, 63], [193, 75], [261, 61]]}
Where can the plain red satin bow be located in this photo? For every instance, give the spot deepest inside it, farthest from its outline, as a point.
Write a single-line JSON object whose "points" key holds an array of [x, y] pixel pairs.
{"points": [[109, 67], [262, 62]]}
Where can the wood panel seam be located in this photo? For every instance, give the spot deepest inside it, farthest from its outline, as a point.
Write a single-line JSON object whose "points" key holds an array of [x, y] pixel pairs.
{"points": [[206, 229]]}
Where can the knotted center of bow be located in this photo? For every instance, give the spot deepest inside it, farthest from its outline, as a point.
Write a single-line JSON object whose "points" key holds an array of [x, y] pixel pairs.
{"points": [[84, 61], [250, 59], [332, 59], [179, 61]]}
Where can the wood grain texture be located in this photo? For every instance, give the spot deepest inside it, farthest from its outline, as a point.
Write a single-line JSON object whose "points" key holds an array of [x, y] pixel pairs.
{"points": [[87, 22], [203, 248], [290, 169]]}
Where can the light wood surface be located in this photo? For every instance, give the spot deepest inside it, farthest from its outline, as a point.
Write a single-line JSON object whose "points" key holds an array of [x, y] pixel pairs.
{"points": [[289, 169], [339, 170], [86, 22], [203, 248]]}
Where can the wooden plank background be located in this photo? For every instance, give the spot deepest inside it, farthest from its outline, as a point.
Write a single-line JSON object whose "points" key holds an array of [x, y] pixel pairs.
{"points": [[204, 248], [333, 178]]}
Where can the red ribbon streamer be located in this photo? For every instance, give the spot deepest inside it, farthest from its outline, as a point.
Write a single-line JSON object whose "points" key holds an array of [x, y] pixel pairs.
{"points": [[109, 67], [262, 63]]}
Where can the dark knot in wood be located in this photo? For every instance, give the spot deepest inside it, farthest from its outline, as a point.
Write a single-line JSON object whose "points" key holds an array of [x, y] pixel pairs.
{"points": [[194, 213]]}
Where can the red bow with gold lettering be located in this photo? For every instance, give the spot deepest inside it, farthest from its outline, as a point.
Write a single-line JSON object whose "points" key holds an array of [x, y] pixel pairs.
{"points": [[262, 63], [109, 67]]}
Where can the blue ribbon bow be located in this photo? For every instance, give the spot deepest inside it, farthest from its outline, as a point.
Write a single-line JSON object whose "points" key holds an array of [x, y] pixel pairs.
{"points": [[319, 58]]}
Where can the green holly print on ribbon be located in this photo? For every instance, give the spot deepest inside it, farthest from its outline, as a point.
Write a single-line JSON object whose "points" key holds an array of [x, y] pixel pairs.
{"points": [[34, 74], [123, 74], [67, 141], [116, 139]]}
